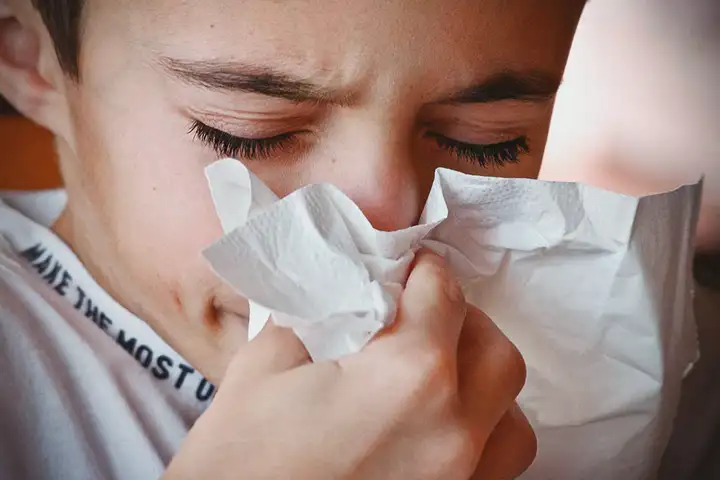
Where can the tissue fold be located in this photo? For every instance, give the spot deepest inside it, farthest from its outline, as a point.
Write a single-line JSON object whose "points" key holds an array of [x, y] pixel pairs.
{"points": [[592, 286]]}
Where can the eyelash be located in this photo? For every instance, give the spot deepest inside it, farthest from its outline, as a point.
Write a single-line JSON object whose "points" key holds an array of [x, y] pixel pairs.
{"points": [[496, 154], [227, 145]]}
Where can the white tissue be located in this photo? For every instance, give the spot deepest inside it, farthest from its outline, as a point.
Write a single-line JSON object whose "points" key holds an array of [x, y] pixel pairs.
{"points": [[592, 286]]}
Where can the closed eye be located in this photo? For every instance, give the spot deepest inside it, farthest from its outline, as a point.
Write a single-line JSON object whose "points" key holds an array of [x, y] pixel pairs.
{"points": [[226, 145], [497, 154]]}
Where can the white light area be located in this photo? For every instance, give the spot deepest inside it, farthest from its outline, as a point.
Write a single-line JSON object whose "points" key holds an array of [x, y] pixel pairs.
{"points": [[639, 109]]}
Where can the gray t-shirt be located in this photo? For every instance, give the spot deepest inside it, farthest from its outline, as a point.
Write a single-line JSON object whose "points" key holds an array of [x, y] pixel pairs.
{"points": [[87, 390]]}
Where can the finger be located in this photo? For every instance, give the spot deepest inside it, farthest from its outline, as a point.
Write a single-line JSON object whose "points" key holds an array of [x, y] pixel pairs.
{"points": [[510, 450], [491, 372], [432, 307], [275, 350]]}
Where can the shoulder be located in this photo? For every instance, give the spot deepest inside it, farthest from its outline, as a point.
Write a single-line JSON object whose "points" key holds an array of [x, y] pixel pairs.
{"points": [[69, 402], [25, 309], [31, 372]]}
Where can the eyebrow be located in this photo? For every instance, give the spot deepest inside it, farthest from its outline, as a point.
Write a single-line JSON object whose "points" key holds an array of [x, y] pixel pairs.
{"points": [[527, 86], [252, 79]]}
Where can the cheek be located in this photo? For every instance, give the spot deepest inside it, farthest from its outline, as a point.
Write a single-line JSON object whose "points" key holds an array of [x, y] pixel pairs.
{"points": [[147, 178], [167, 218], [164, 211]]}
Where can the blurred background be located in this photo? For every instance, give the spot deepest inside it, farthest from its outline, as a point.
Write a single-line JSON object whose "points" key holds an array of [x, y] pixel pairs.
{"points": [[639, 110], [5, 107]]}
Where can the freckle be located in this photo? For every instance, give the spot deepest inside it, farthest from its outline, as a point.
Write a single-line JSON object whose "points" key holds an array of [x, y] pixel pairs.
{"points": [[177, 301]]}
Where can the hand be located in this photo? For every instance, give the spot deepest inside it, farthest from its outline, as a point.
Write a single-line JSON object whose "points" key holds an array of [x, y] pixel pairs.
{"points": [[419, 402]]}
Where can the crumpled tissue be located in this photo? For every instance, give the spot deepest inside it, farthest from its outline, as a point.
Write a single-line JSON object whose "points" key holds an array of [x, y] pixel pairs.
{"points": [[593, 287]]}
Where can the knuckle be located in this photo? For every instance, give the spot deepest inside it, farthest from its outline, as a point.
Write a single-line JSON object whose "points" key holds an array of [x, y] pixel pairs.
{"points": [[444, 286], [451, 294], [460, 453], [514, 370], [436, 373], [428, 377], [527, 445], [526, 439], [510, 450]]}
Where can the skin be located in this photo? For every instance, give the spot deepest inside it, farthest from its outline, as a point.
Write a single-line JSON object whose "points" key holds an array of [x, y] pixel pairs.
{"points": [[343, 420], [652, 119], [139, 210], [394, 76]]}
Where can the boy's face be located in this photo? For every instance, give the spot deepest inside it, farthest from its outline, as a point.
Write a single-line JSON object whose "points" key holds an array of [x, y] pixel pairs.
{"points": [[370, 95]]}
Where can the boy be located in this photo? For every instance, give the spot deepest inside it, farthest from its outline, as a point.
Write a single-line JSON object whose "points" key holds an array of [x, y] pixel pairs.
{"points": [[371, 96]]}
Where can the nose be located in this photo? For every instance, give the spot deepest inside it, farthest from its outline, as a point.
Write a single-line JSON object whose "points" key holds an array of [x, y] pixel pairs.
{"points": [[380, 171]]}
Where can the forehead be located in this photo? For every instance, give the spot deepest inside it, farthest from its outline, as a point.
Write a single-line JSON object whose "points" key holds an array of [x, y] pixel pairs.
{"points": [[346, 37]]}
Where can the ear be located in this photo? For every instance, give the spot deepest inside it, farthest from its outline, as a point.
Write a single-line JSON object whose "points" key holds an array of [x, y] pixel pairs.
{"points": [[30, 75]]}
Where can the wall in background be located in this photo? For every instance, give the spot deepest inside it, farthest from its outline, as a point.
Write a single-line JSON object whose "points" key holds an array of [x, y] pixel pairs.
{"points": [[5, 107]]}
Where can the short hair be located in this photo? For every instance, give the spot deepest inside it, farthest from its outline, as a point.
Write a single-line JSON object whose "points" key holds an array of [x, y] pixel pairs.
{"points": [[63, 21]]}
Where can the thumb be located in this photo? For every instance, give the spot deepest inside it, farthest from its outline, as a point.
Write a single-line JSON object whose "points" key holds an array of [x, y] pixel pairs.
{"points": [[275, 350], [432, 306]]}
